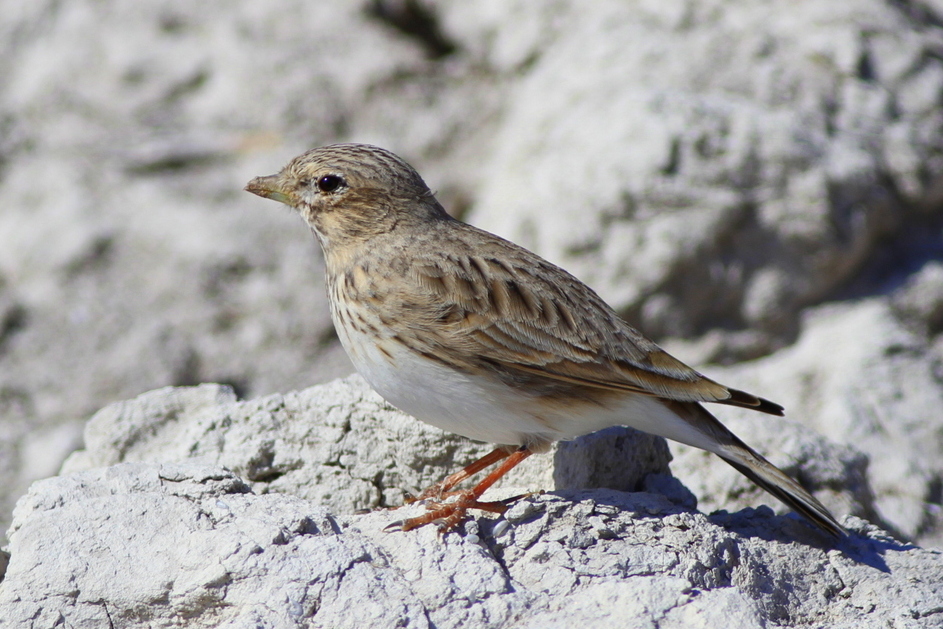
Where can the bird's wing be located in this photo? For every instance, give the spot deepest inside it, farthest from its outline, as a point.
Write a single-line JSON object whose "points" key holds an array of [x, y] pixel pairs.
{"points": [[526, 319]]}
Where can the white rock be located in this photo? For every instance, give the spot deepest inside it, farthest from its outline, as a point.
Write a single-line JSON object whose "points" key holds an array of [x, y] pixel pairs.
{"points": [[144, 545], [725, 159], [340, 445], [857, 376]]}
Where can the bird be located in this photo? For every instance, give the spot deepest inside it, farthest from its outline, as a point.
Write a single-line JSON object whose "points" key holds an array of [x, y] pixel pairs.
{"points": [[478, 336]]}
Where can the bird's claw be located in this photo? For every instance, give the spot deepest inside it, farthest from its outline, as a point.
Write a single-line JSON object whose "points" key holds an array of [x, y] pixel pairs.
{"points": [[394, 526]]}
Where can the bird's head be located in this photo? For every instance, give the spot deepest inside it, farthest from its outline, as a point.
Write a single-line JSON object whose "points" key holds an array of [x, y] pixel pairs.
{"points": [[349, 193]]}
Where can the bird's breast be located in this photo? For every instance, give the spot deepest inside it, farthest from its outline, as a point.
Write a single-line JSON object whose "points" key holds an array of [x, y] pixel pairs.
{"points": [[451, 399]]}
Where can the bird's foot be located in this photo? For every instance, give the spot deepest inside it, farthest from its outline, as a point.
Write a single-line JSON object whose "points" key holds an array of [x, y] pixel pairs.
{"points": [[451, 514]]}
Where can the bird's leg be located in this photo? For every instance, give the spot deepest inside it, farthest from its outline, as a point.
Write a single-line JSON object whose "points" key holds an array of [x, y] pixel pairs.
{"points": [[443, 487], [452, 513]]}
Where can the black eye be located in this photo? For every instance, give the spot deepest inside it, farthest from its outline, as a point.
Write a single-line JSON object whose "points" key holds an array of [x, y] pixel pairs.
{"points": [[329, 183]]}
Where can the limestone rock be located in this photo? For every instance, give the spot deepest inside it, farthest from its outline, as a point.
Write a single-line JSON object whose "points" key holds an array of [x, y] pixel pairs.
{"points": [[144, 545], [861, 378], [341, 446]]}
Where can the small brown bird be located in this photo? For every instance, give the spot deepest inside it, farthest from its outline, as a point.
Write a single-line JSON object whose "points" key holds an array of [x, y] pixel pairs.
{"points": [[478, 336]]}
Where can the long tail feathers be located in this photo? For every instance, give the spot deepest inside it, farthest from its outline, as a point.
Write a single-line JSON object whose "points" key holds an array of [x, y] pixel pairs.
{"points": [[751, 464]]}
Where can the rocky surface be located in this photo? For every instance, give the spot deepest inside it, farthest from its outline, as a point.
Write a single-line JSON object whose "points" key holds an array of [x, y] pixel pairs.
{"points": [[147, 545], [188, 503], [722, 164], [858, 376], [341, 446]]}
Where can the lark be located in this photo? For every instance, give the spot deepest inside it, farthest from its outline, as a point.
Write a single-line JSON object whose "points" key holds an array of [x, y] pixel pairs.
{"points": [[480, 337]]}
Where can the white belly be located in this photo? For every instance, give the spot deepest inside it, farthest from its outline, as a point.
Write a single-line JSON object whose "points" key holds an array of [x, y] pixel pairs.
{"points": [[487, 410], [448, 399]]}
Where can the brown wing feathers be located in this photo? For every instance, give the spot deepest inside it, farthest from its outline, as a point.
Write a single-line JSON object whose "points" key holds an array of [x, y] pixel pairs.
{"points": [[521, 312], [752, 402]]}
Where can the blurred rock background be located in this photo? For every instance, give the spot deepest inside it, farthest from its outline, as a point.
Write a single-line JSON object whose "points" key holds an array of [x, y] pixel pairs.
{"points": [[757, 180]]}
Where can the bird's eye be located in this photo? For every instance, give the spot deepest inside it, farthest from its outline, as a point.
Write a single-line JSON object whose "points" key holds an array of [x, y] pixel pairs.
{"points": [[329, 183]]}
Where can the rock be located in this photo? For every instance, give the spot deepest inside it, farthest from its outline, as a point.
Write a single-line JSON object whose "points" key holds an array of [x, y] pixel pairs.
{"points": [[920, 300], [859, 377], [732, 165], [143, 545], [340, 445]]}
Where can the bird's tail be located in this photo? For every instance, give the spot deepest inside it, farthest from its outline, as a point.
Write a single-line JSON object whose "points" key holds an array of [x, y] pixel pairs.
{"points": [[754, 466]]}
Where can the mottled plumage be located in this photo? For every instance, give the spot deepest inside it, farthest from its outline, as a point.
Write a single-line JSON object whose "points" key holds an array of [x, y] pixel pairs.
{"points": [[479, 336]]}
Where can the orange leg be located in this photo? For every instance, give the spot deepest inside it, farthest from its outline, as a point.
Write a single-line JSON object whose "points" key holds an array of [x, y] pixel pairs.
{"points": [[452, 513], [444, 486]]}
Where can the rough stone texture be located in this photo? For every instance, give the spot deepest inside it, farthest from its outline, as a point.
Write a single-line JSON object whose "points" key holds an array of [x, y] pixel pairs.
{"points": [[144, 545], [920, 300], [720, 163], [341, 446], [859, 377]]}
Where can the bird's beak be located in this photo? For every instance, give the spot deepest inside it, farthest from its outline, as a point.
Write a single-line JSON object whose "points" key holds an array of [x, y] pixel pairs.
{"points": [[271, 187]]}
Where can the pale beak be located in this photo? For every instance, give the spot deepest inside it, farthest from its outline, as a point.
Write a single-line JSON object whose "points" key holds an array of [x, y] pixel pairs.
{"points": [[271, 187]]}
